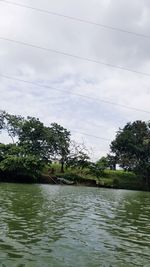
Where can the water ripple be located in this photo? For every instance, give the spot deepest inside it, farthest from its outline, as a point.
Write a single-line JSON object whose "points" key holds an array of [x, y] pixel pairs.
{"points": [[63, 226]]}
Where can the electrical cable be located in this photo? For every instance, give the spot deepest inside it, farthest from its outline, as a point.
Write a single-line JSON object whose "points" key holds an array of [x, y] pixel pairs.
{"points": [[81, 20]]}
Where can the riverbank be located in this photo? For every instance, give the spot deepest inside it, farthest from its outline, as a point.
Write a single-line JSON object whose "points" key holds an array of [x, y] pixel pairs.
{"points": [[110, 179]]}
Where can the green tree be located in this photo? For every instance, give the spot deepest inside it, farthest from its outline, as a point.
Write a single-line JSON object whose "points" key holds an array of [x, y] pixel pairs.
{"points": [[61, 143], [132, 148], [96, 170], [11, 124], [34, 138], [112, 161], [103, 163], [43, 142], [15, 162]]}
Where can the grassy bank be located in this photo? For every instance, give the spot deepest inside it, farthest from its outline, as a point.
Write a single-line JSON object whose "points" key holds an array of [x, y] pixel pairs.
{"points": [[52, 175], [109, 178]]}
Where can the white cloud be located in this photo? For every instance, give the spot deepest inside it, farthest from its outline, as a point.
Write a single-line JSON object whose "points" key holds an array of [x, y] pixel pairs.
{"points": [[73, 75]]}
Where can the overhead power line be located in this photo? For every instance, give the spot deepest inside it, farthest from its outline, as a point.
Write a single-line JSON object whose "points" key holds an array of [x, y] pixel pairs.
{"points": [[81, 20], [90, 135], [73, 56], [72, 93]]}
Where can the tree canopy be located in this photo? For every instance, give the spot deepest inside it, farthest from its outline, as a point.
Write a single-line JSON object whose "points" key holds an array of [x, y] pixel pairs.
{"points": [[31, 142], [32, 145], [132, 148]]}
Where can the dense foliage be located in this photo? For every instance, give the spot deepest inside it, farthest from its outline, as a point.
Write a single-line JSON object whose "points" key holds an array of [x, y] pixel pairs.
{"points": [[33, 145], [132, 148]]}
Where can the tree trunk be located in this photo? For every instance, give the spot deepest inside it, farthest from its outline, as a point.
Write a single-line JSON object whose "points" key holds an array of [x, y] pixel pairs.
{"points": [[114, 166], [62, 167]]}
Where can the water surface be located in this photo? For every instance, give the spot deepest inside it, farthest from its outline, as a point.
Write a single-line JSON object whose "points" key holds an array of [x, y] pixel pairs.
{"points": [[65, 226]]}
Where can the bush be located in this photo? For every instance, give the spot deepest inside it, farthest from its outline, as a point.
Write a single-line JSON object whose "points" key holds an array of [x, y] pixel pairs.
{"points": [[115, 182], [96, 170], [29, 166]]}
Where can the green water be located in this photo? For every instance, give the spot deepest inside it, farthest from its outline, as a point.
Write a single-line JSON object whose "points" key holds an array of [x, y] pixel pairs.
{"points": [[65, 226]]}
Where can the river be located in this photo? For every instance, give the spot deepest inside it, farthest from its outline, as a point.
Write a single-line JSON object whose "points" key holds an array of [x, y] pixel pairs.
{"points": [[66, 226]]}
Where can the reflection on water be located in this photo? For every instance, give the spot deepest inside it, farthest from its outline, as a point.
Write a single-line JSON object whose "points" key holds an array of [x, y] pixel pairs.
{"points": [[63, 226]]}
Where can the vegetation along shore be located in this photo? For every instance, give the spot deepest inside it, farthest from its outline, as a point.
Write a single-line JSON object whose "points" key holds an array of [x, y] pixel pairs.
{"points": [[37, 153]]}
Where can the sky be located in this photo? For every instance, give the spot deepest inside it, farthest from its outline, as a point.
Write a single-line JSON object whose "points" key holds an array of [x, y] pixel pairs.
{"points": [[64, 79]]}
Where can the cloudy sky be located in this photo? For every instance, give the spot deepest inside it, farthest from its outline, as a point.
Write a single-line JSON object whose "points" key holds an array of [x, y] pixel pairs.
{"points": [[62, 78]]}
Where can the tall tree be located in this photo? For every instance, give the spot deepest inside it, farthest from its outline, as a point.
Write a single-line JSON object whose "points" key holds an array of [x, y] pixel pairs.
{"points": [[132, 148], [61, 143]]}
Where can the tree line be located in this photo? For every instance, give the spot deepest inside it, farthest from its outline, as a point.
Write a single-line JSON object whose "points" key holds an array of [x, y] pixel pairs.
{"points": [[33, 145]]}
